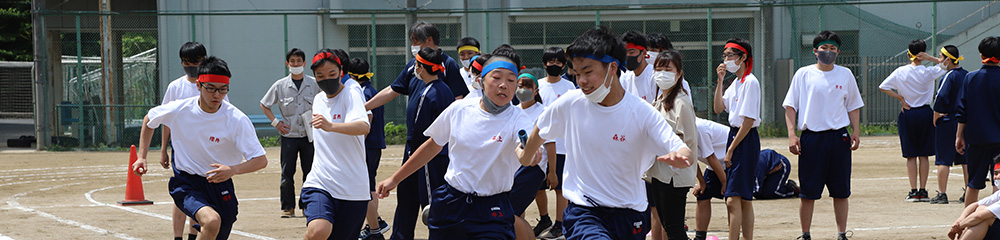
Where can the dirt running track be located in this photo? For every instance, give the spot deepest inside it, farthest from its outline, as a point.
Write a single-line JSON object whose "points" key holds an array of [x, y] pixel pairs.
{"points": [[73, 195]]}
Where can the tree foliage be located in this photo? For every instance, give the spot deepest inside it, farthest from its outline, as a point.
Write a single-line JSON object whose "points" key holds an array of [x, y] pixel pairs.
{"points": [[15, 30]]}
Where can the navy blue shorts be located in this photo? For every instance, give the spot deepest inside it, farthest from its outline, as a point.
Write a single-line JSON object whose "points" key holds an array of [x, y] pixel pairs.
{"points": [[346, 216], [916, 132], [526, 181], [580, 222], [944, 141], [740, 180], [458, 215], [372, 157], [825, 160], [713, 187], [980, 159], [192, 192]]}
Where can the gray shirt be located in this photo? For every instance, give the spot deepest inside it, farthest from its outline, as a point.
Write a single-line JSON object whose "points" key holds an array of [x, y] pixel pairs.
{"points": [[292, 102]]}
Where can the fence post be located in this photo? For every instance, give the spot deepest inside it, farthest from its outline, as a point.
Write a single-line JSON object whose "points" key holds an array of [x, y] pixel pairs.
{"points": [[708, 60], [79, 79], [374, 54], [865, 93], [597, 18], [934, 26], [285, 16], [193, 39]]}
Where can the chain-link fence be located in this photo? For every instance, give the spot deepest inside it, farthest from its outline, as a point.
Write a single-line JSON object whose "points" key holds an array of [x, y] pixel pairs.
{"points": [[103, 70]]}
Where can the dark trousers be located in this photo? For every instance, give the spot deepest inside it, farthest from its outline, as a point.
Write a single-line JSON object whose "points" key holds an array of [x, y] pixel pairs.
{"points": [[291, 150], [670, 202], [412, 194]]}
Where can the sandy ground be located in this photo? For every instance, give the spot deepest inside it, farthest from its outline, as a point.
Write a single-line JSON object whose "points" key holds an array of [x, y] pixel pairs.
{"points": [[73, 195]]}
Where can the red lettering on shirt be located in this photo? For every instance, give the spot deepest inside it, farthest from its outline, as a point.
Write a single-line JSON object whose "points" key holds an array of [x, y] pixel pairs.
{"points": [[213, 139], [337, 116], [618, 138], [497, 138]]}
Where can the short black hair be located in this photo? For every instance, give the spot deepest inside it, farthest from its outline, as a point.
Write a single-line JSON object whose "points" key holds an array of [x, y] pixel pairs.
{"points": [[193, 52], [743, 43], [990, 47], [333, 58], [467, 41], [556, 53], [659, 40], [434, 56], [295, 52], [826, 35], [599, 42], [482, 62], [422, 30], [635, 37], [214, 65], [344, 59], [917, 46], [359, 66], [506, 50], [953, 51]]}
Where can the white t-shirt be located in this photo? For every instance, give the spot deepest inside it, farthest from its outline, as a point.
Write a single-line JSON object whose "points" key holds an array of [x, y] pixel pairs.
{"points": [[914, 83], [992, 202], [482, 146], [823, 99], [467, 76], [611, 148], [339, 165], [533, 112], [181, 88], [225, 136], [742, 100], [642, 86], [549, 93], [473, 92], [712, 137]]}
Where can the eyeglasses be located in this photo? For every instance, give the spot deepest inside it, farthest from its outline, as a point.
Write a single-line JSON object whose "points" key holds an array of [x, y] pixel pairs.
{"points": [[212, 89], [727, 56]]}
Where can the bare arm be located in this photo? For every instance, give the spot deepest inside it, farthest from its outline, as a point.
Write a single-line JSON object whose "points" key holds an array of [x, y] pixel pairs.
{"points": [[742, 133], [165, 143], [793, 141], [145, 137], [222, 173], [383, 97], [534, 142], [419, 158], [719, 106], [349, 128], [551, 177], [855, 116], [980, 215], [895, 95], [281, 126]]}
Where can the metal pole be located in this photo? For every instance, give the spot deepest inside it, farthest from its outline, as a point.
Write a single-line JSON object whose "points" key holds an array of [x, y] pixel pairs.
{"points": [[374, 54], [40, 89], [934, 26], [597, 18], [488, 30], [820, 17], [193, 39], [411, 17], [79, 80], [286, 38], [708, 55]]}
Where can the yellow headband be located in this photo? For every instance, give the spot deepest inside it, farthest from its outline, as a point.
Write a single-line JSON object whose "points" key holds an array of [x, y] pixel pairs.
{"points": [[953, 58], [910, 54], [468, 47], [358, 76]]}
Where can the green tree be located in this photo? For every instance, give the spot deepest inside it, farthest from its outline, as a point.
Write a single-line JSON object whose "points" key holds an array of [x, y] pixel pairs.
{"points": [[15, 30]]}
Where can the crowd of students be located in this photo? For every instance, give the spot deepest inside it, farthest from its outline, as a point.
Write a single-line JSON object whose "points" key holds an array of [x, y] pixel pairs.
{"points": [[608, 123]]}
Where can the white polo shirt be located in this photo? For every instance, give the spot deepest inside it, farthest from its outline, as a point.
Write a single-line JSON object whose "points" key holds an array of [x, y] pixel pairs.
{"points": [[641, 86], [533, 112], [823, 98], [481, 146], [712, 137], [611, 148], [201, 138], [549, 93], [181, 88], [339, 165], [742, 100], [914, 83]]}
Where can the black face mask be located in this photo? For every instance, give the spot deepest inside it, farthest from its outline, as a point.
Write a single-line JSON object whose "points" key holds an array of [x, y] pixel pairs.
{"points": [[631, 63], [191, 71], [329, 85], [554, 70]]}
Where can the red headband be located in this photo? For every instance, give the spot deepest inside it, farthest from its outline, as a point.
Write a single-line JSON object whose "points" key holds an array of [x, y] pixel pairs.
{"points": [[991, 59], [215, 78], [434, 67], [477, 66], [326, 55], [996, 166], [633, 46], [749, 60]]}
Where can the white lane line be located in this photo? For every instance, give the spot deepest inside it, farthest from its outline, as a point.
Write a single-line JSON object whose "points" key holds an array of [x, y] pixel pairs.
{"points": [[89, 196], [241, 200], [58, 168], [2, 237], [900, 227], [12, 203]]}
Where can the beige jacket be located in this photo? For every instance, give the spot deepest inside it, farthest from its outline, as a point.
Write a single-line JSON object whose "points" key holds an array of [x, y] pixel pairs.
{"points": [[682, 119]]}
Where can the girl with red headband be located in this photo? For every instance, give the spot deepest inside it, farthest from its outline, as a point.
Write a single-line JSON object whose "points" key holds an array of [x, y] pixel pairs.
{"points": [[742, 100]]}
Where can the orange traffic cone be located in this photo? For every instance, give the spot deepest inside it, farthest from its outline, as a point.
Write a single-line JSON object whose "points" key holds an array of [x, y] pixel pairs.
{"points": [[133, 186]]}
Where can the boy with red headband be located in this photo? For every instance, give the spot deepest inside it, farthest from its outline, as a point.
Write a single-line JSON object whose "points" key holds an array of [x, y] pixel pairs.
{"points": [[638, 80], [210, 147], [978, 119], [742, 101]]}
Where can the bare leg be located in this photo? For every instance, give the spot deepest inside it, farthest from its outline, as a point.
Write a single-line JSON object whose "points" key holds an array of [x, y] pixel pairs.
{"points": [[656, 228], [971, 195], [748, 219], [978, 231], [911, 171], [840, 206], [924, 169], [178, 219], [943, 171], [806, 213], [561, 204], [372, 214], [522, 230], [703, 215], [735, 207], [542, 202], [318, 229], [210, 222]]}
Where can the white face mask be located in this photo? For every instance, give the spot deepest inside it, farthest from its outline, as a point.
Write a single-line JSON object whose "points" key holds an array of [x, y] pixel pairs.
{"points": [[414, 50], [602, 91], [415, 74], [996, 182], [465, 63], [652, 57], [476, 84], [731, 66], [665, 79], [943, 66], [296, 70]]}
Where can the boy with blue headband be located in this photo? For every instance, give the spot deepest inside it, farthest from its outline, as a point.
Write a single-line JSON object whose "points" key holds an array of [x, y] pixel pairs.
{"points": [[615, 138]]}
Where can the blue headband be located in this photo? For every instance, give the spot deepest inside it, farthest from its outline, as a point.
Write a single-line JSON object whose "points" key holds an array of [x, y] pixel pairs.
{"points": [[605, 59], [473, 59], [498, 64]]}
